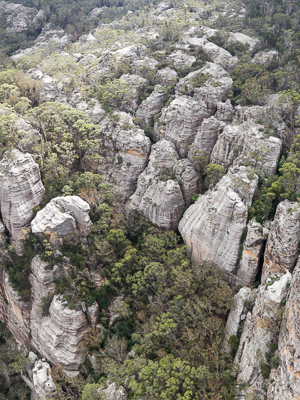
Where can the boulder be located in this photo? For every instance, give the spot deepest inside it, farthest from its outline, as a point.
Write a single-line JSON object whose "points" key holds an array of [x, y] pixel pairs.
{"points": [[252, 253], [44, 387], [152, 105], [63, 216], [282, 246], [179, 122], [21, 189], [211, 84], [212, 227], [247, 144]]}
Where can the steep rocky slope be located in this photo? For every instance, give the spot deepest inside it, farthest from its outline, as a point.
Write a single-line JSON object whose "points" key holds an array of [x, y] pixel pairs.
{"points": [[165, 116]]}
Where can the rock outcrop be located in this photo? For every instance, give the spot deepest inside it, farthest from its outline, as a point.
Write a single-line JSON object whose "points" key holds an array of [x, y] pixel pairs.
{"points": [[246, 144], [282, 247], [152, 105], [212, 227], [63, 216], [252, 253], [206, 136], [266, 317], [43, 385], [60, 334], [179, 122], [238, 314], [122, 155], [14, 312], [21, 189], [166, 77], [211, 84], [285, 382], [158, 196], [225, 111]]}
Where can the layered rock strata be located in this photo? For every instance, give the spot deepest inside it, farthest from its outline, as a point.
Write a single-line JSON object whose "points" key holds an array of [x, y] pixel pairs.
{"points": [[158, 196], [179, 122], [152, 105], [21, 189], [122, 155], [63, 216], [264, 326], [212, 227], [253, 248], [247, 145], [282, 247], [210, 84], [285, 383]]}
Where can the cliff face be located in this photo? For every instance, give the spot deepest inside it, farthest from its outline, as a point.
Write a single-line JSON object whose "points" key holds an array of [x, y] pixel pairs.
{"points": [[212, 227]]}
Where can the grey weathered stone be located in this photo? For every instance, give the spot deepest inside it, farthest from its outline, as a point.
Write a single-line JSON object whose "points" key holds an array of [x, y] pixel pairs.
{"points": [[225, 111], [246, 144], [237, 311], [44, 387], [212, 227], [252, 253], [152, 105], [284, 381], [216, 54], [158, 196], [166, 77], [122, 154], [206, 136], [112, 392], [211, 84], [181, 60], [265, 58], [137, 85], [179, 122], [63, 216], [21, 189], [266, 317], [282, 246], [60, 334]]}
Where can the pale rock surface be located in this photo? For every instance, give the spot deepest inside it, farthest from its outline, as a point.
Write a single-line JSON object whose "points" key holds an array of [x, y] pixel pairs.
{"points": [[137, 85], [122, 153], [179, 122], [19, 18], [225, 111], [21, 189], [60, 334], [43, 385], [181, 60], [166, 77], [14, 312], [216, 85], [63, 216], [251, 114], [246, 144], [112, 392], [158, 196], [28, 136], [206, 136], [252, 253], [152, 105], [237, 311], [282, 246], [244, 39], [286, 383], [266, 317], [212, 227], [265, 58], [245, 334], [142, 67]]}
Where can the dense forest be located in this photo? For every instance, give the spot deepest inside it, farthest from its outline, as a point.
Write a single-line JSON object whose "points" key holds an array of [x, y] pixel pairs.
{"points": [[166, 343]]}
